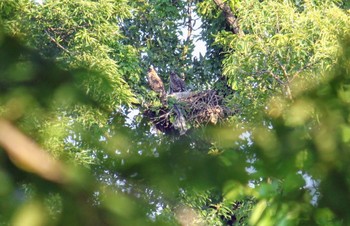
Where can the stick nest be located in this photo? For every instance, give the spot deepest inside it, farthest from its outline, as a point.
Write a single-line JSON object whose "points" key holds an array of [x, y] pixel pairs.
{"points": [[189, 109]]}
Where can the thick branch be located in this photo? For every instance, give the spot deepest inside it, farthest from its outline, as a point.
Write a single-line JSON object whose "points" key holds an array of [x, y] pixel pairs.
{"points": [[182, 95], [231, 19], [189, 22], [26, 154], [189, 25]]}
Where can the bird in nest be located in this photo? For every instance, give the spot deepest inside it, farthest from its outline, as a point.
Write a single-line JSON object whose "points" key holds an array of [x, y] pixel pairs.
{"points": [[176, 83], [155, 82]]}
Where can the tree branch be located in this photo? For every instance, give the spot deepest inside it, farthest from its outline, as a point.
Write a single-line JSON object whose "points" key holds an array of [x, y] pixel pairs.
{"points": [[275, 77], [189, 22], [58, 44], [231, 19], [27, 155], [287, 84], [189, 25], [296, 74]]}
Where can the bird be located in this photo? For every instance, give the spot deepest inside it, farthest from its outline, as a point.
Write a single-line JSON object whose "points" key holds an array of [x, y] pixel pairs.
{"points": [[156, 83], [176, 83]]}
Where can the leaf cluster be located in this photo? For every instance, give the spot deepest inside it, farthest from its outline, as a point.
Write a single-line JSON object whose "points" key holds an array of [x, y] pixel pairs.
{"points": [[280, 44]]}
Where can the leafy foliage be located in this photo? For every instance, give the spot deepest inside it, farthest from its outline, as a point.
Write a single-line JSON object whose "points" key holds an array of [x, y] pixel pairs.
{"points": [[82, 34], [279, 45], [70, 81]]}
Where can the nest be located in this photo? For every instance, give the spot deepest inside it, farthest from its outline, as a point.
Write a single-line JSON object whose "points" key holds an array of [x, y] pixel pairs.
{"points": [[189, 109]]}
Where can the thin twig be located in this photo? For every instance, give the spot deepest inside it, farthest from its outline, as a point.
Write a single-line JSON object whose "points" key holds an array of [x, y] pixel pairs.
{"points": [[58, 44], [276, 77], [302, 69], [285, 74]]}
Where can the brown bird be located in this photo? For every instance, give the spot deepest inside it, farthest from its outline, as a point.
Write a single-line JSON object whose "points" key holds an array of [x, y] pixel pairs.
{"points": [[156, 83], [176, 83]]}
